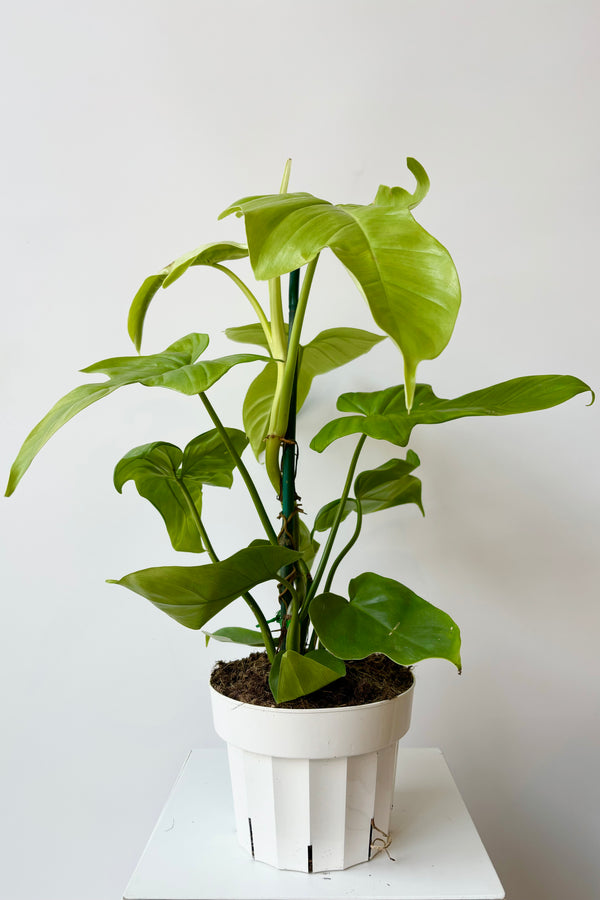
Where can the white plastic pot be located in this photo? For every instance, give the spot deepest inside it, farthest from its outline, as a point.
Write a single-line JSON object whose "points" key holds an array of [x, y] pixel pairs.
{"points": [[312, 788]]}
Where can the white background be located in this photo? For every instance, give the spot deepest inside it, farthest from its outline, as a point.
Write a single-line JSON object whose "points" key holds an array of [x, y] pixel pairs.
{"points": [[127, 128]]}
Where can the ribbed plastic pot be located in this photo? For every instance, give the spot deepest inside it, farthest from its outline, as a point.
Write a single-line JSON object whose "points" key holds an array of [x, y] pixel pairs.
{"points": [[312, 788]]}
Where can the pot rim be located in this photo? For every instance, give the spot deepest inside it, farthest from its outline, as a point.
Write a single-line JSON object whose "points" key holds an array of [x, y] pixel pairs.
{"points": [[319, 709]]}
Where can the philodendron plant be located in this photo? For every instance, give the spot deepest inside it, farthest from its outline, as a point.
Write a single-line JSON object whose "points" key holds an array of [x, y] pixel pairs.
{"points": [[410, 284]]}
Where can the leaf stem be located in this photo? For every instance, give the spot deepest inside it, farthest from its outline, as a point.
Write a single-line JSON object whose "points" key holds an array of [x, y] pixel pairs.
{"points": [[247, 596], [258, 504], [255, 304], [336, 523], [347, 548]]}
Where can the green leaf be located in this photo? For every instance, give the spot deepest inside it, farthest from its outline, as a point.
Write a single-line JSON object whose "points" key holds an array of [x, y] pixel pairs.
{"points": [[294, 675], [249, 334], [383, 414], [172, 481], [389, 485], [326, 515], [174, 368], [333, 348], [206, 459], [207, 255], [256, 409], [307, 545], [327, 351], [197, 378], [407, 276], [75, 401], [154, 469], [192, 595], [382, 488], [384, 616], [235, 635]]}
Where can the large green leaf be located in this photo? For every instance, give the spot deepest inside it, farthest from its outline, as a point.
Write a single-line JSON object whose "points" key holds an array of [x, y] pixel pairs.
{"points": [[236, 635], [175, 368], [121, 371], [389, 485], [327, 351], [172, 480], [192, 595], [384, 616], [207, 255], [383, 414], [407, 276], [294, 675]]}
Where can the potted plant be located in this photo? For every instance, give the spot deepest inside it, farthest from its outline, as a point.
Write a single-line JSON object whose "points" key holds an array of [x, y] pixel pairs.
{"points": [[321, 774]]}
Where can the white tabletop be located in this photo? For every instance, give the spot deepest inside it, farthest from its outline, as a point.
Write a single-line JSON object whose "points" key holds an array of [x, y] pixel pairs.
{"points": [[193, 853]]}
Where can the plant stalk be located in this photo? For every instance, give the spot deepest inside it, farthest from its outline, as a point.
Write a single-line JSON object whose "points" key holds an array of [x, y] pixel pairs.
{"points": [[336, 524], [258, 613], [255, 304], [289, 536], [347, 548], [258, 504]]}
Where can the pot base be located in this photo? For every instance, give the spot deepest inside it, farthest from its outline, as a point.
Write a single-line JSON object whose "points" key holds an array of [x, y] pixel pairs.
{"points": [[312, 815]]}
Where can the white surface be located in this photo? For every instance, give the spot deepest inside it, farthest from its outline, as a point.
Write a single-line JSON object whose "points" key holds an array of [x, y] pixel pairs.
{"points": [[128, 125], [193, 853]]}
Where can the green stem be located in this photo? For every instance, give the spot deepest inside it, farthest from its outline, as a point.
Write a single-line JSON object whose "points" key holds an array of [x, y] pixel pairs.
{"points": [[294, 346], [347, 548], [280, 407], [258, 504], [255, 304], [336, 523], [258, 613]]}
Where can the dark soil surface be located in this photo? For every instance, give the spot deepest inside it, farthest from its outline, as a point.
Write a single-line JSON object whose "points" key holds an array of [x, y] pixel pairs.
{"points": [[366, 681]]}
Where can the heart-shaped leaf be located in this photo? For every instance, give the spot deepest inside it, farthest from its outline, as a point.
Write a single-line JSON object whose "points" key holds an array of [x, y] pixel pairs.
{"points": [[383, 414], [407, 276], [192, 595], [207, 255], [384, 616], [294, 675]]}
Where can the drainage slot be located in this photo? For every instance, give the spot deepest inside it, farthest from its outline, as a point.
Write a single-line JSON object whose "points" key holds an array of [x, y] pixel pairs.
{"points": [[310, 857], [371, 838], [251, 837]]}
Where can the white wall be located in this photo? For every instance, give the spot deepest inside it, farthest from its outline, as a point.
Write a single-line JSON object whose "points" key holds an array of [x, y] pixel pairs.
{"points": [[127, 128]]}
